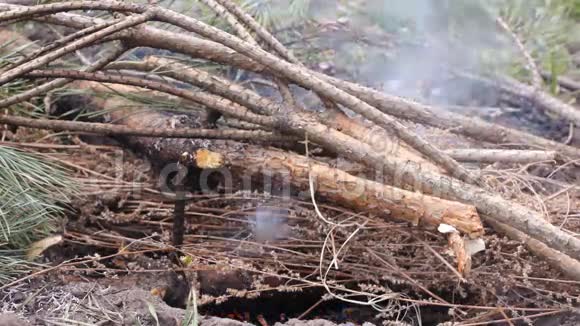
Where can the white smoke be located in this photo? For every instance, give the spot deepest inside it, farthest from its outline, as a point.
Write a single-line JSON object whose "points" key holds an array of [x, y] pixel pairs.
{"points": [[270, 224]]}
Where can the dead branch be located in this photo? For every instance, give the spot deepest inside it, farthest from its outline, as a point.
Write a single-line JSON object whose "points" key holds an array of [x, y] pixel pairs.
{"points": [[457, 244], [73, 46], [531, 64], [377, 137], [46, 9], [44, 88], [222, 12], [214, 102], [335, 119], [570, 267], [62, 42], [501, 155], [179, 208], [565, 82], [259, 30], [516, 91], [395, 106], [120, 130]]}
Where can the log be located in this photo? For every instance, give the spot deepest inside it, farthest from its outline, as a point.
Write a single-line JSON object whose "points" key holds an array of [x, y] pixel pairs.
{"points": [[565, 82], [377, 137]]}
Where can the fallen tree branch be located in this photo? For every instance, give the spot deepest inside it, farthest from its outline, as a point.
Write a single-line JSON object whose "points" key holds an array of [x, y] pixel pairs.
{"points": [[501, 155], [565, 82], [515, 91], [531, 64], [222, 105], [73, 46], [393, 105], [259, 30], [381, 140], [568, 266], [118, 130], [61, 42], [42, 89]]}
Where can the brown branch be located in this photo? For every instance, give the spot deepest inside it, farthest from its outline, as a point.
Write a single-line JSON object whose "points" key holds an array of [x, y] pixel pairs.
{"points": [[307, 79], [51, 8], [259, 30], [61, 42], [568, 266], [73, 46], [214, 102], [111, 129], [456, 123], [222, 12], [392, 105], [531, 64], [516, 91], [179, 208], [501, 155], [28, 94], [565, 82]]}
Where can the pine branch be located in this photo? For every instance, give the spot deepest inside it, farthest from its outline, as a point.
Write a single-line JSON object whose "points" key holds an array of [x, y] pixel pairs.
{"points": [[111, 129], [224, 106], [73, 46]]}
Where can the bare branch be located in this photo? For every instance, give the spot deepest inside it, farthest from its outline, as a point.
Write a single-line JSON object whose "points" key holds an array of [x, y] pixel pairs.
{"points": [[259, 30], [214, 102], [73, 46], [501, 155], [111, 129], [61, 42], [51, 8], [531, 64], [26, 95]]}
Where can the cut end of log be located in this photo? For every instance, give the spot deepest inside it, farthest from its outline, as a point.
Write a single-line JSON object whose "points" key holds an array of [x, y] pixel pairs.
{"points": [[466, 220], [205, 159]]}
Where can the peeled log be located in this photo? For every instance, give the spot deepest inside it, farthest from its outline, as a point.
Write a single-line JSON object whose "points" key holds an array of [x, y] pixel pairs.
{"points": [[358, 193]]}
